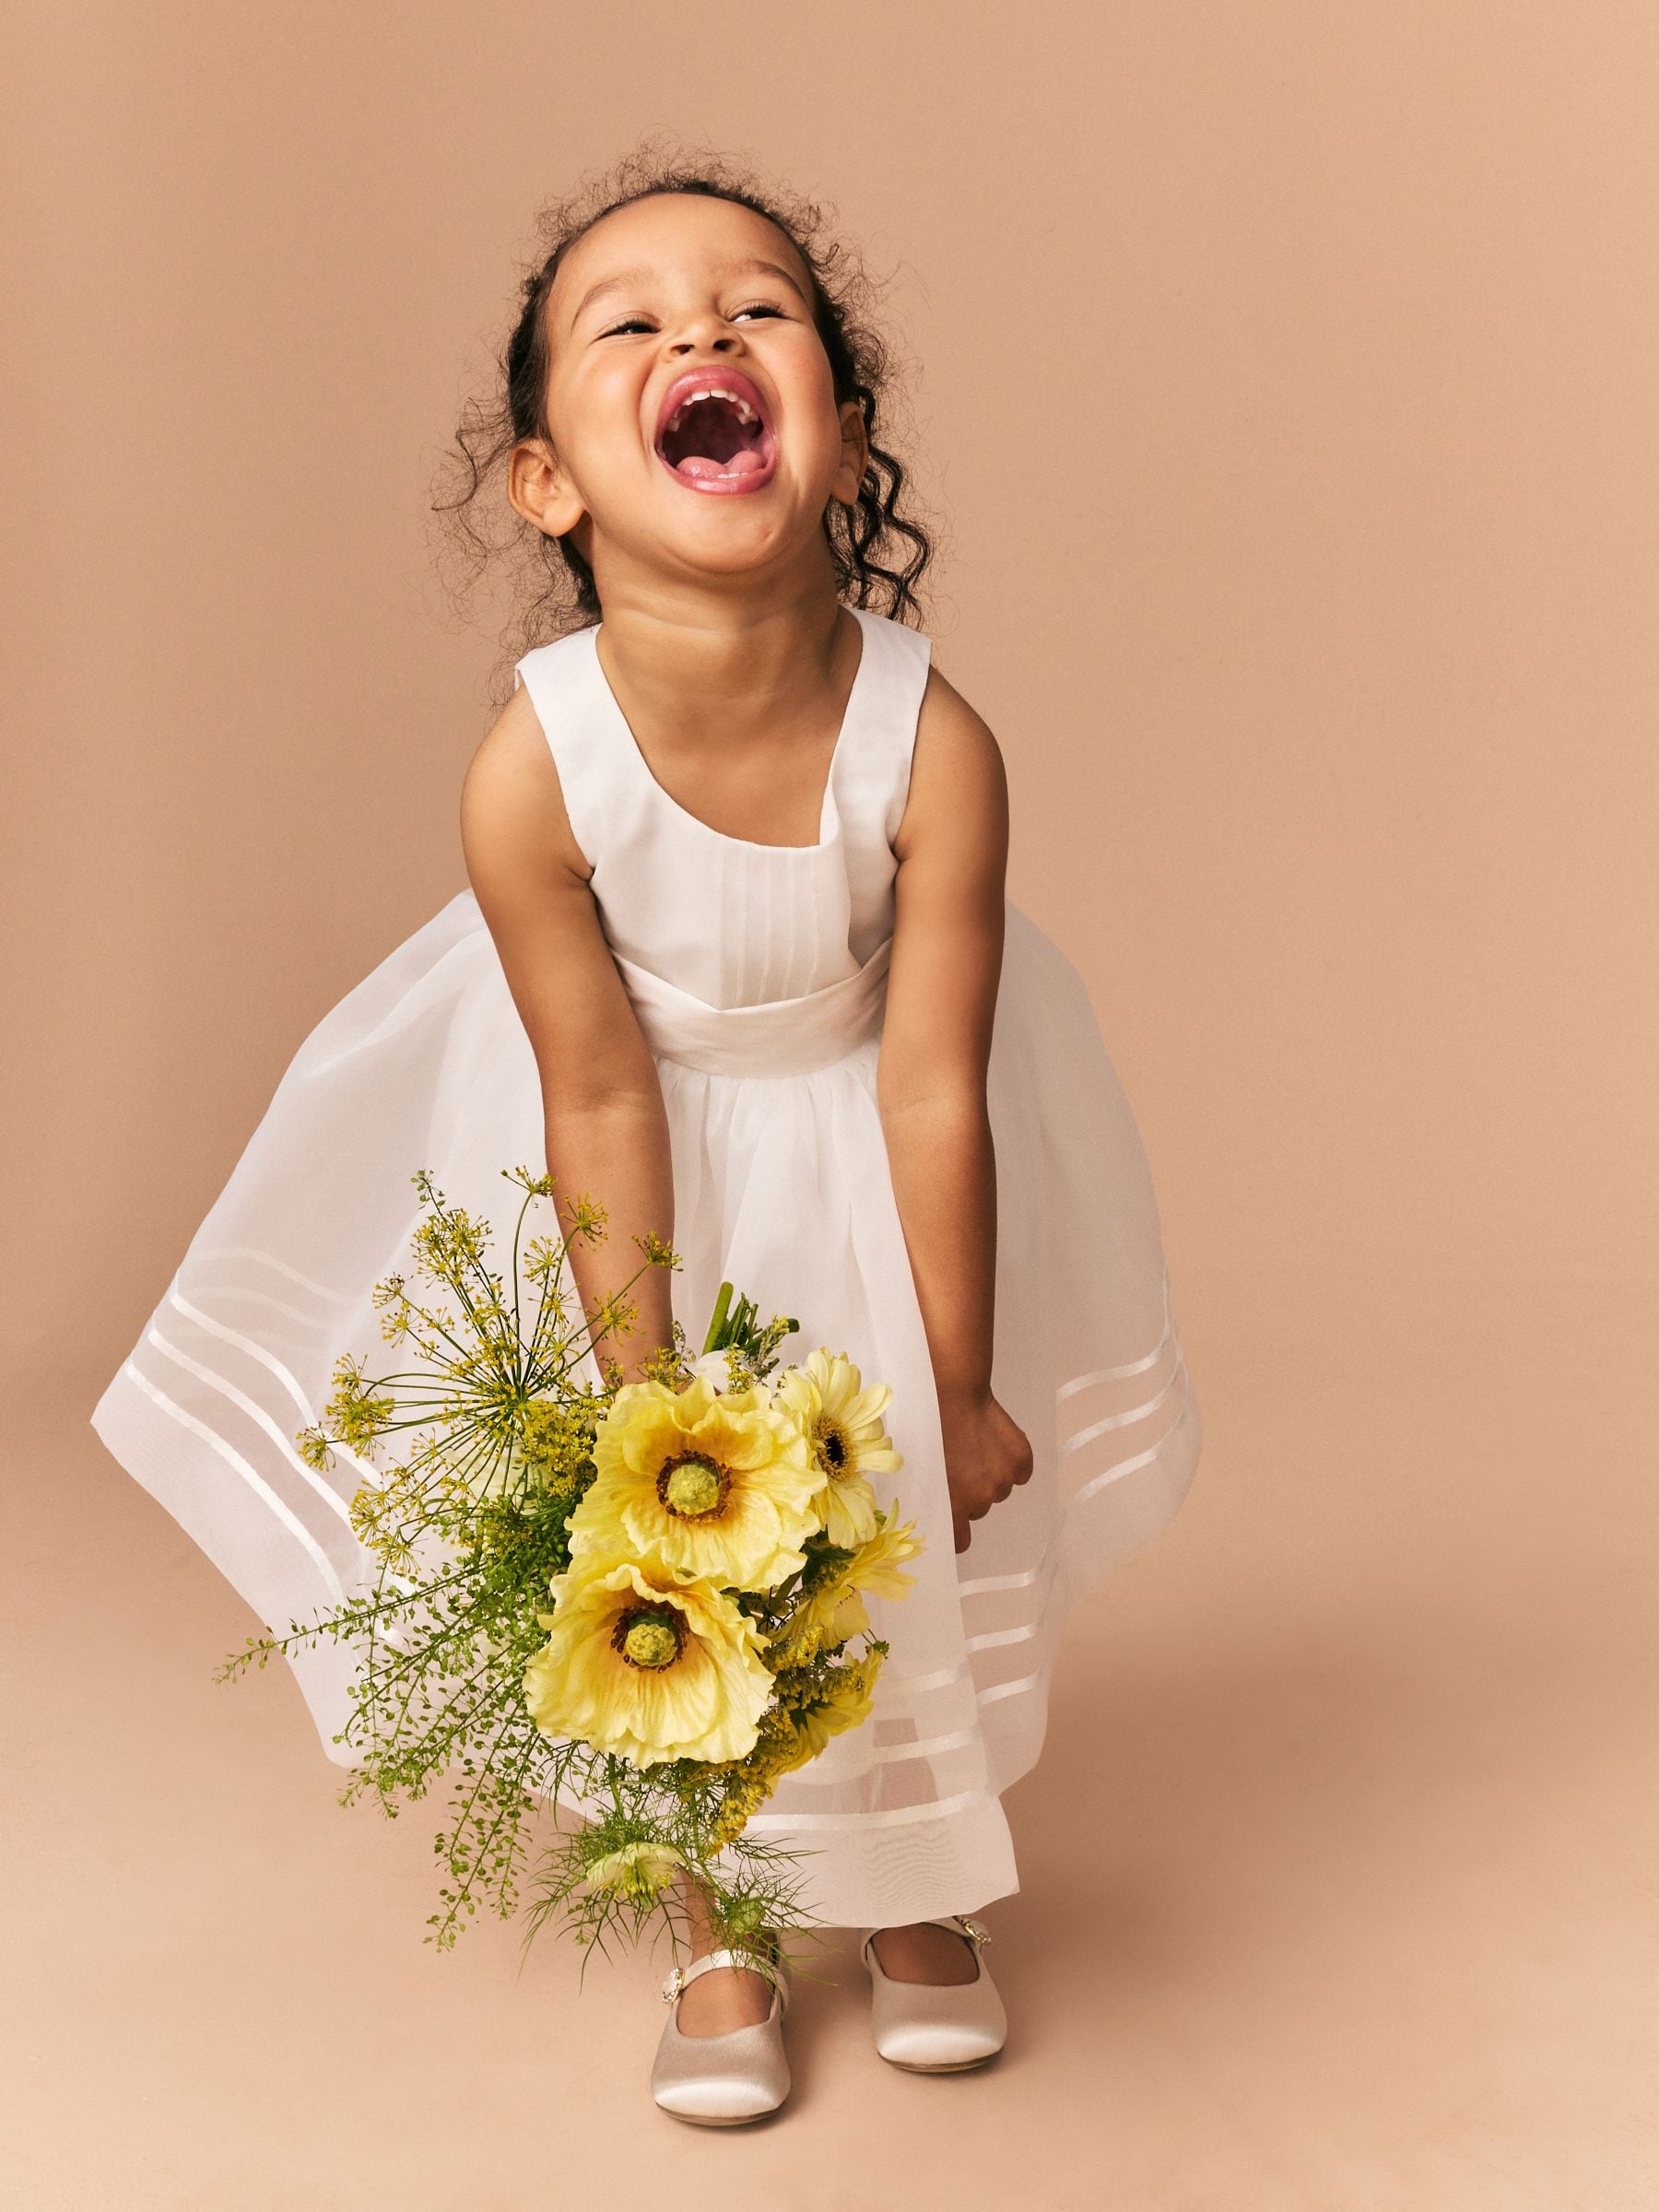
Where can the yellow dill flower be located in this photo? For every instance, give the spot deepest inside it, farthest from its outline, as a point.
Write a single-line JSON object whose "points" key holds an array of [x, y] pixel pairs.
{"points": [[841, 1422], [715, 1484], [555, 1439], [646, 1666]]}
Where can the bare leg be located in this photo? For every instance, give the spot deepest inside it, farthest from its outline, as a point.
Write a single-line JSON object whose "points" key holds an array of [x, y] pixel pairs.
{"points": [[726, 1996], [922, 1953]]}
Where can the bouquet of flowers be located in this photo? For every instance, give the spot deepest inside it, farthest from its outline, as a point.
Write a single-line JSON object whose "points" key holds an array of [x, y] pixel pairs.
{"points": [[644, 1600]]}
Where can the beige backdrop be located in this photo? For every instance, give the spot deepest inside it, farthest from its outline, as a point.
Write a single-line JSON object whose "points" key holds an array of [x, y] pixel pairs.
{"points": [[1285, 375]]}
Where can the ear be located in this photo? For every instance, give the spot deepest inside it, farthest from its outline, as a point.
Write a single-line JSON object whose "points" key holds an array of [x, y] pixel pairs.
{"points": [[856, 455], [539, 490]]}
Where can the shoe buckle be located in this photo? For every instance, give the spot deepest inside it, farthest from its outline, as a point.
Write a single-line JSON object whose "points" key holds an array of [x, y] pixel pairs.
{"points": [[975, 1930], [674, 1985]]}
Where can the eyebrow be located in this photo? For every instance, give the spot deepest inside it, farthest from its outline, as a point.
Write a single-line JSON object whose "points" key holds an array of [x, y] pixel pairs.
{"points": [[750, 266]]}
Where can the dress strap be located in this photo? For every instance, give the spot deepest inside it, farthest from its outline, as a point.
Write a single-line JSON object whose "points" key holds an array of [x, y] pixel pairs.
{"points": [[573, 705], [872, 763]]}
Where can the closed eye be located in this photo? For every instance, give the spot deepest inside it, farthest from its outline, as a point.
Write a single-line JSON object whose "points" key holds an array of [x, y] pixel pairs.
{"points": [[632, 322], [643, 322]]}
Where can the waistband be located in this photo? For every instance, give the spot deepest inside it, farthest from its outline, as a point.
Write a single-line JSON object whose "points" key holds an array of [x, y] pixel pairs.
{"points": [[784, 1037]]}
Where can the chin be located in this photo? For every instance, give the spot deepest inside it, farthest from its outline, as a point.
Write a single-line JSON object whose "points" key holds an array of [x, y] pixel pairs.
{"points": [[728, 546]]}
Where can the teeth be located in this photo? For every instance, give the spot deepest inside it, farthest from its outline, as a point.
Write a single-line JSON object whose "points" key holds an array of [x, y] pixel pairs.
{"points": [[744, 412]]}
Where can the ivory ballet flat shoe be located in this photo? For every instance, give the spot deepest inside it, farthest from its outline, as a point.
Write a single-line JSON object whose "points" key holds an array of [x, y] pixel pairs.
{"points": [[932, 2027], [723, 2080]]}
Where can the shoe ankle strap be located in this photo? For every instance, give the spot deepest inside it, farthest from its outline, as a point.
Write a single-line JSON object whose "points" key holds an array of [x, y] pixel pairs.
{"points": [[754, 1962], [955, 1923]]}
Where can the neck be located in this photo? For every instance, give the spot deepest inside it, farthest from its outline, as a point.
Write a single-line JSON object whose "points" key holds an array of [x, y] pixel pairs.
{"points": [[714, 659]]}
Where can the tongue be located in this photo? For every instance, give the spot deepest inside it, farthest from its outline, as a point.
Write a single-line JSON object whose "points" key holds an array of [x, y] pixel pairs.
{"points": [[742, 463]]}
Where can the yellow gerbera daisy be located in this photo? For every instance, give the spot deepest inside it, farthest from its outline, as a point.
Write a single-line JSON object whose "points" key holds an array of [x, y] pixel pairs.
{"points": [[819, 1623], [876, 1566], [836, 1610], [647, 1667], [714, 1484], [841, 1422], [844, 1702]]}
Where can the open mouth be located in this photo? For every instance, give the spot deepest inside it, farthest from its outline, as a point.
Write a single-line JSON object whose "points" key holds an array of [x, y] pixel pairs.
{"points": [[714, 435]]}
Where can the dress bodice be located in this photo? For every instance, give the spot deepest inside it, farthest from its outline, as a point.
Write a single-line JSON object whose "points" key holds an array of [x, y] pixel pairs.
{"points": [[726, 922]]}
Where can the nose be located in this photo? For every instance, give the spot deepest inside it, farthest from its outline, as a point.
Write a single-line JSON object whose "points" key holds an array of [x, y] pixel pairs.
{"points": [[704, 331]]}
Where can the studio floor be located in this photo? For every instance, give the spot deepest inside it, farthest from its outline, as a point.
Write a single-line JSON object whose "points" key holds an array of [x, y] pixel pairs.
{"points": [[1337, 1890]]}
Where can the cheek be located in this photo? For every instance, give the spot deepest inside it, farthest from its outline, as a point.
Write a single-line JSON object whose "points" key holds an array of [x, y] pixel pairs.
{"points": [[809, 401], [592, 413], [797, 365]]}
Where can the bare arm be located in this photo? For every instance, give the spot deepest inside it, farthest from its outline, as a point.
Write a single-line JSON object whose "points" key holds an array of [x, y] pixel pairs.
{"points": [[605, 1127], [946, 961]]}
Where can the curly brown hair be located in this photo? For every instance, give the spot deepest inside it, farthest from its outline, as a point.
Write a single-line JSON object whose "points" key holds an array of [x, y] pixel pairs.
{"points": [[878, 550]]}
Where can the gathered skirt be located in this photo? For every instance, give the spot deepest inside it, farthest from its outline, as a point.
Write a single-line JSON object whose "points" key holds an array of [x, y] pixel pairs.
{"points": [[781, 1185]]}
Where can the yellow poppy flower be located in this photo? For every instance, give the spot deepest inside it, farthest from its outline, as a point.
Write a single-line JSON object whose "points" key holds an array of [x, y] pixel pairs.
{"points": [[717, 1485], [841, 1422], [648, 1668]]}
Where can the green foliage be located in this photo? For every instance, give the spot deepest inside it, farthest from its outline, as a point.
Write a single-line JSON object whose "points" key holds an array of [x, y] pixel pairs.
{"points": [[465, 1528]]}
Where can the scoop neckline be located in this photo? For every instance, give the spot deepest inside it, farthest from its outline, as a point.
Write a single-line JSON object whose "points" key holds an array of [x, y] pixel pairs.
{"points": [[827, 804]]}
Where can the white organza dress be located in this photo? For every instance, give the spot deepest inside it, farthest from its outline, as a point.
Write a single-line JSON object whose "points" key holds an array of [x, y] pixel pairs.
{"points": [[757, 975]]}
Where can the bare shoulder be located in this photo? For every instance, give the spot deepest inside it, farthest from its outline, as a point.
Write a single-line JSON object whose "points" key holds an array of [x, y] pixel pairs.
{"points": [[513, 810], [958, 788]]}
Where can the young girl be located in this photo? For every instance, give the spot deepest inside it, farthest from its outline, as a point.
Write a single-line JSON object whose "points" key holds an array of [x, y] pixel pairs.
{"points": [[737, 954]]}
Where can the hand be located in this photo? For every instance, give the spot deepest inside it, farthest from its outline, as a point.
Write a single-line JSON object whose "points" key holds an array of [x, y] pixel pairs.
{"points": [[986, 1452]]}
